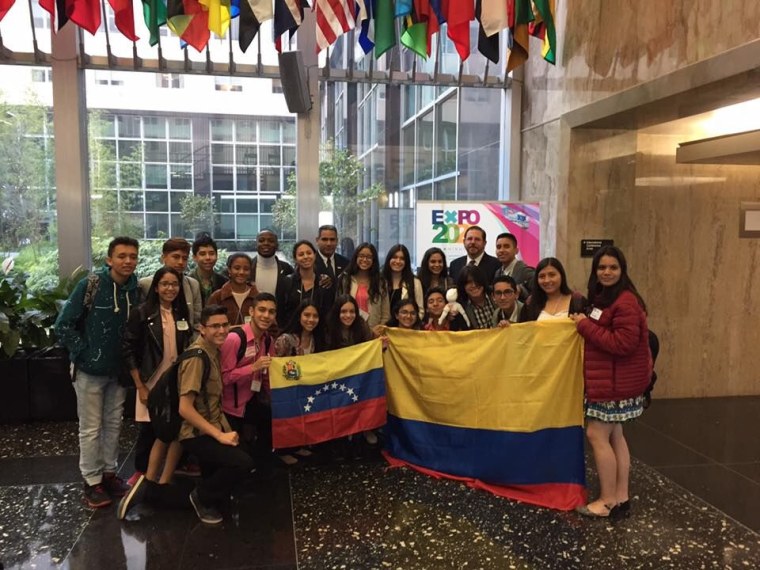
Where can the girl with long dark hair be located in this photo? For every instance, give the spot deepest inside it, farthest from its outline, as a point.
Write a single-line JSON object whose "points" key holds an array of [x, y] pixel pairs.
{"points": [[362, 281], [301, 285], [617, 369], [551, 298], [405, 315], [433, 271], [304, 332], [400, 282]]}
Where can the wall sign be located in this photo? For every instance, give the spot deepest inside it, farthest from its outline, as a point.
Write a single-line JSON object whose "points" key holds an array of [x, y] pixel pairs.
{"points": [[590, 246]]}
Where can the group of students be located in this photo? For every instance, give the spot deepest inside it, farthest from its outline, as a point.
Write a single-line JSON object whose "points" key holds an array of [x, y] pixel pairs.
{"points": [[264, 307]]}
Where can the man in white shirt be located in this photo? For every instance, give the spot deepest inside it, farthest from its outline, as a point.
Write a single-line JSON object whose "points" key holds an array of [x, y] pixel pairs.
{"points": [[266, 269]]}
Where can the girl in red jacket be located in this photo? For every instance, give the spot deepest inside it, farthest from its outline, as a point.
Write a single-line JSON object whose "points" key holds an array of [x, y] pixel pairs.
{"points": [[617, 368]]}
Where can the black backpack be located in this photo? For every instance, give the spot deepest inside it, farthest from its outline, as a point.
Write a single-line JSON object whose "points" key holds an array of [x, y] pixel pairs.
{"points": [[654, 348], [163, 400]]}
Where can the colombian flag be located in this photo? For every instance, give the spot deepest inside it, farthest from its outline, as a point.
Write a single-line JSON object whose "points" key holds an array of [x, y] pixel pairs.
{"points": [[500, 409], [331, 394]]}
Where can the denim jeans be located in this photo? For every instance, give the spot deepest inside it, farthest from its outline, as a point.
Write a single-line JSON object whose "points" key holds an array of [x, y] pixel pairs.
{"points": [[100, 404]]}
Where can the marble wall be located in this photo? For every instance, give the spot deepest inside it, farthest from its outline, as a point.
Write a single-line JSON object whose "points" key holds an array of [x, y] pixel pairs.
{"points": [[678, 224]]}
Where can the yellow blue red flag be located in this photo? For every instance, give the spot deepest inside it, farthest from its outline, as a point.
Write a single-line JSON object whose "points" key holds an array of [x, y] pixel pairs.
{"points": [[500, 409], [331, 394]]}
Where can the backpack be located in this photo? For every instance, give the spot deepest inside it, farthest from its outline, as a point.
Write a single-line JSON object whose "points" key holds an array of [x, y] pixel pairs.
{"points": [[654, 348], [163, 400]]}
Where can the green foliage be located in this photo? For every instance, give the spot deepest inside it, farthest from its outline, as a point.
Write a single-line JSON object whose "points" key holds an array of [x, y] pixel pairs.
{"points": [[25, 174], [197, 212], [27, 316], [340, 174]]}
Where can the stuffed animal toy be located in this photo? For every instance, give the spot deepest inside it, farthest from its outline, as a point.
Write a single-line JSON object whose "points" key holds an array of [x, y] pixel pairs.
{"points": [[452, 305]]}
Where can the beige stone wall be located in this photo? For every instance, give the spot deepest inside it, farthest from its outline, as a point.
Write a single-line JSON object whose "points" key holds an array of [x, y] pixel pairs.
{"points": [[677, 224]]}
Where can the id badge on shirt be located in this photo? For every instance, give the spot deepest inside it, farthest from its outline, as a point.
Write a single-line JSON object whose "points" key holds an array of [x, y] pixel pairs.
{"points": [[182, 325], [247, 319], [595, 313], [256, 385]]}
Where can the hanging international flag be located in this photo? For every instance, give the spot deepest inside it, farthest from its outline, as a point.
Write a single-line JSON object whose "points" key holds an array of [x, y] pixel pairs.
{"points": [[334, 18], [500, 409], [403, 7], [458, 14], [365, 18], [154, 14], [57, 11], [85, 14], [5, 5], [218, 15], [488, 46], [520, 15], [414, 36], [425, 13], [124, 18], [493, 16], [188, 20], [385, 26], [543, 28], [288, 15], [327, 395], [249, 26]]}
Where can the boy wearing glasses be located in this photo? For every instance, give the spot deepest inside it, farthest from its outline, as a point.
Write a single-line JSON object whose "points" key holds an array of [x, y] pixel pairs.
{"points": [[205, 431], [505, 296]]}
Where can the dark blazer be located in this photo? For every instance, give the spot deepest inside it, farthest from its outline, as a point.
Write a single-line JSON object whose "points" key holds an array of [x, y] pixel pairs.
{"points": [[142, 344], [284, 269], [290, 294], [340, 264], [488, 263], [523, 276]]}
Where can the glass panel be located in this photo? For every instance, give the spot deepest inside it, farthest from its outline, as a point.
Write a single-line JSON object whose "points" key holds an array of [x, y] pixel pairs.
{"points": [[247, 205], [179, 227], [408, 155], [446, 137], [270, 131], [246, 179], [181, 177], [221, 130], [224, 203], [155, 176], [130, 150], [224, 227], [222, 178], [266, 205], [157, 201], [130, 175], [180, 129], [246, 155], [289, 132], [446, 189], [247, 227], [270, 180], [425, 146], [131, 200], [181, 152], [222, 153], [425, 192], [288, 156], [129, 126], [103, 175], [156, 225], [176, 200], [154, 127], [245, 131], [105, 125], [155, 151], [270, 155]]}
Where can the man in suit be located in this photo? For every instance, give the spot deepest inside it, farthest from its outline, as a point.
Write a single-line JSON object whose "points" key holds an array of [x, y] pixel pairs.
{"points": [[174, 254], [506, 253], [266, 269], [328, 263], [475, 244]]}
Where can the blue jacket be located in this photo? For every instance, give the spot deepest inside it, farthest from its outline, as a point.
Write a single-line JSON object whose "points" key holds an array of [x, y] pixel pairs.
{"points": [[95, 347]]}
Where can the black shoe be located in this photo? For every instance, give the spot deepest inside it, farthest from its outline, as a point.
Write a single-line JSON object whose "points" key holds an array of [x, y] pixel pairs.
{"points": [[207, 515], [621, 510], [135, 495], [115, 486], [96, 496]]}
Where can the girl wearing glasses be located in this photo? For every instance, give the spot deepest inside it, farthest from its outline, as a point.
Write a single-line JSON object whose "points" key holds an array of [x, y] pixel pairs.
{"points": [[362, 281], [156, 333], [405, 315]]}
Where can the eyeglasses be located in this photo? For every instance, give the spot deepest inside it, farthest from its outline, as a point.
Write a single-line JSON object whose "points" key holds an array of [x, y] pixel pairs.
{"points": [[218, 326], [406, 313], [506, 293], [364, 257], [168, 284]]}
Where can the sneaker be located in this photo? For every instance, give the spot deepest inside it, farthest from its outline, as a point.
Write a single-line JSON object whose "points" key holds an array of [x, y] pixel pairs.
{"points": [[115, 486], [96, 496], [188, 470], [134, 478], [134, 496], [208, 515]]}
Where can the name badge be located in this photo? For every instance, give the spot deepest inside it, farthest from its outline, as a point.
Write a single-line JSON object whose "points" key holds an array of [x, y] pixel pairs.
{"points": [[247, 319], [596, 313], [256, 386], [182, 325]]}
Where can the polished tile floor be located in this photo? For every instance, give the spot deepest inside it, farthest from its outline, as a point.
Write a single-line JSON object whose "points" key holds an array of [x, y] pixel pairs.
{"points": [[695, 495]]}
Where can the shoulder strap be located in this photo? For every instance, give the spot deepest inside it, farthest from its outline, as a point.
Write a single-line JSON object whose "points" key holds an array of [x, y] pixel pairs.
{"points": [[93, 281], [243, 342], [196, 353]]}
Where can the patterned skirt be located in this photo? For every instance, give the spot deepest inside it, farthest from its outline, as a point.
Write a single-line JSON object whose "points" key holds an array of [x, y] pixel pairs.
{"points": [[615, 411]]}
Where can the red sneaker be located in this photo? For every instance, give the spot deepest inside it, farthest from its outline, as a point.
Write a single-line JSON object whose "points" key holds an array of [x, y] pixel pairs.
{"points": [[96, 496], [114, 486], [133, 479]]}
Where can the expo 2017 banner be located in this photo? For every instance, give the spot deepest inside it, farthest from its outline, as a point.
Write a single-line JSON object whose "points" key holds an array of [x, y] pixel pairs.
{"points": [[442, 224]]}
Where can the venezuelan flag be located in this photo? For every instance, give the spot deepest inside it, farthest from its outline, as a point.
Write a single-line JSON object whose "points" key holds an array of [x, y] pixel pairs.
{"points": [[331, 394], [500, 409]]}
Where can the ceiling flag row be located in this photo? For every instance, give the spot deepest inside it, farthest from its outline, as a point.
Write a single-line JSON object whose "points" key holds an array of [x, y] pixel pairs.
{"points": [[376, 21]]}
